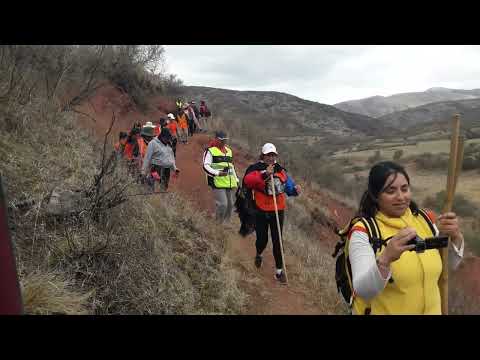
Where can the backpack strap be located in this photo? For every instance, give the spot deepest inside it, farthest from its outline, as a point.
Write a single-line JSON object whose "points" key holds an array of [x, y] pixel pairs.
{"points": [[375, 235], [427, 219]]}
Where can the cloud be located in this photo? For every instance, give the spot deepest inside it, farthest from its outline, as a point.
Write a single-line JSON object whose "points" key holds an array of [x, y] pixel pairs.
{"points": [[327, 73]]}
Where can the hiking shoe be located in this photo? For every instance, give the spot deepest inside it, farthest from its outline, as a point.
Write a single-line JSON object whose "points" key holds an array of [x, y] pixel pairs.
{"points": [[281, 278], [258, 261]]}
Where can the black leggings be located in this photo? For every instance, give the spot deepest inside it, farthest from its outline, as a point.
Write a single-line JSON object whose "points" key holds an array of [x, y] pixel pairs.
{"points": [[263, 220]]}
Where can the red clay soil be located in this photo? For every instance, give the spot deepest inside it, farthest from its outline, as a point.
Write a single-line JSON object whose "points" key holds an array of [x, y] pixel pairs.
{"points": [[266, 296], [109, 101]]}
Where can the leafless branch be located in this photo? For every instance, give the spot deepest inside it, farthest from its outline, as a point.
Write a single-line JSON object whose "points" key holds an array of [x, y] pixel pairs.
{"points": [[84, 114]]}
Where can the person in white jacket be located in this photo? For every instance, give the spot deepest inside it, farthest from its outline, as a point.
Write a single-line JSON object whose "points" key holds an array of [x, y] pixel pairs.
{"points": [[160, 158]]}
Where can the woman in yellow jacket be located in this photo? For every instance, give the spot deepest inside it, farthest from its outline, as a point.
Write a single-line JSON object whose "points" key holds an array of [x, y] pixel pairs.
{"points": [[397, 280]]}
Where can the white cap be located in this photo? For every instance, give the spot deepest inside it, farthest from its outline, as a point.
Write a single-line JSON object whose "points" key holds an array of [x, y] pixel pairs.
{"points": [[170, 116], [148, 124], [269, 148]]}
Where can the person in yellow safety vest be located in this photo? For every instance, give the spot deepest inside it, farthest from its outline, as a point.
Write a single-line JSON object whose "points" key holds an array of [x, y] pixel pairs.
{"points": [[179, 104], [221, 175], [397, 279]]}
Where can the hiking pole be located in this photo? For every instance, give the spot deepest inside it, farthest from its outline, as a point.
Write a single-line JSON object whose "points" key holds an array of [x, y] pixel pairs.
{"points": [[279, 229], [454, 168]]}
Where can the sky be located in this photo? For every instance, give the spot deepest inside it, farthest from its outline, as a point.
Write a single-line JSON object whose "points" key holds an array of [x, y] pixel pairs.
{"points": [[327, 73]]}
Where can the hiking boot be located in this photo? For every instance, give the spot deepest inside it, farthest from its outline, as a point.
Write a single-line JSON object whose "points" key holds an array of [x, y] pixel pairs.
{"points": [[258, 261], [281, 278]]}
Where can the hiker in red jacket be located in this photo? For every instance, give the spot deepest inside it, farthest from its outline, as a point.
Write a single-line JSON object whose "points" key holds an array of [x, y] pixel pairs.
{"points": [[204, 114], [120, 145], [258, 179]]}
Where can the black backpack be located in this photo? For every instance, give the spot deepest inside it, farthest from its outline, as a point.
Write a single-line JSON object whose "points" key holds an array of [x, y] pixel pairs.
{"points": [[246, 209], [343, 269]]}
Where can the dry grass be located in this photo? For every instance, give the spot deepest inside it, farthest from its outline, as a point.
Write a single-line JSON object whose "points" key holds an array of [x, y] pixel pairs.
{"points": [[48, 294], [143, 257], [315, 270]]}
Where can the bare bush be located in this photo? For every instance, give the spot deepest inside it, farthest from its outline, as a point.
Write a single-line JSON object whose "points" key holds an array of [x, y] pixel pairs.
{"points": [[430, 161], [397, 155]]}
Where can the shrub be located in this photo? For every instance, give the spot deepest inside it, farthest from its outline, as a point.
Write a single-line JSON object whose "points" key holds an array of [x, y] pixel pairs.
{"points": [[375, 158], [397, 155], [430, 161]]}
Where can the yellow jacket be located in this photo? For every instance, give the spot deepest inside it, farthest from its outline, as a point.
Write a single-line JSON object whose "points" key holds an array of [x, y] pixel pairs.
{"points": [[414, 289]]}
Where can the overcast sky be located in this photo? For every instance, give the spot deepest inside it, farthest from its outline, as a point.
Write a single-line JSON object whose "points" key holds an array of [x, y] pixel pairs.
{"points": [[325, 73]]}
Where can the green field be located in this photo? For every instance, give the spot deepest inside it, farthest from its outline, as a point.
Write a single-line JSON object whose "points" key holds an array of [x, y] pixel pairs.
{"points": [[433, 146]]}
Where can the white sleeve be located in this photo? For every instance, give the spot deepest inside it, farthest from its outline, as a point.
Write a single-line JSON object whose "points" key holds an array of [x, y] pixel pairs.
{"points": [[148, 157], [367, 280], [455, 255], [207, 161]]}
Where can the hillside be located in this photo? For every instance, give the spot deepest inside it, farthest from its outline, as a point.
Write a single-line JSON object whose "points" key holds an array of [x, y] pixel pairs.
{"points": [[377, 106], [284, 114], [435, 116]]}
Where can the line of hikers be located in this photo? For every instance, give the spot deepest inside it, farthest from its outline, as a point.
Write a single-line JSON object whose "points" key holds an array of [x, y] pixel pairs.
{"points": [[150, 150]]}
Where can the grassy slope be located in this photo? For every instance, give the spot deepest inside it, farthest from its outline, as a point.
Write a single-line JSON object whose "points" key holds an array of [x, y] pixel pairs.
{"points": [[141, 257]]}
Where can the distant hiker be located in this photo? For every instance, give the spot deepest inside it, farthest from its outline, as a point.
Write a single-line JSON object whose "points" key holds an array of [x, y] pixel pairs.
{"points": [[204, 112], [147, 134], [194, 108], [258, 179], [182, 121], [191, 119], [157, 127], [221, 175], [195, 115], [131, 150], [172, 126], [388, 275], [159, 158], [179, 104], [120, 145]]}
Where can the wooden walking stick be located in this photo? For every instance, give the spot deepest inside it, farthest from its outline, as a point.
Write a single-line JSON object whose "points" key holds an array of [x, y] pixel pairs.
{"points": [[454, 168], [278, 227]]}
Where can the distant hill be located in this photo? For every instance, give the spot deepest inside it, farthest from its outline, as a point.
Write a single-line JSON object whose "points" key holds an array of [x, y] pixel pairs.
{"points": [[378, 106], [284, 113], [435, 116]]}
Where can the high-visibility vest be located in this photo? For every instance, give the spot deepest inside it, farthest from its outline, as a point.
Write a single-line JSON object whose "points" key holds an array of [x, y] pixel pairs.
{"points": [[220, 161]]}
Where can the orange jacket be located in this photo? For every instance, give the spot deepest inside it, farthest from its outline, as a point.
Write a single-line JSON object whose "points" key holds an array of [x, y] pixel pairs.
{"points": [[255, 180], [128, 152], [142, 147], [172, 126], [182, 121]]}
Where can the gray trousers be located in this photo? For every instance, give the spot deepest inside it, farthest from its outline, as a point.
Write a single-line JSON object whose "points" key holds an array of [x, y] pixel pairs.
{"points": [[223, 204]]}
